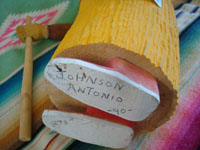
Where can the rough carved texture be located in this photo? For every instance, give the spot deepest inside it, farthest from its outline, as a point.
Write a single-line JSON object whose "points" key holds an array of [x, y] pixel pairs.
{"points": [[139, 26], [137, 31]]}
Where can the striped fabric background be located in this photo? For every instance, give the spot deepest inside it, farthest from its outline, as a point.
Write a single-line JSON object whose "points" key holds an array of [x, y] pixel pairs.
{"points": [[182, 132]]}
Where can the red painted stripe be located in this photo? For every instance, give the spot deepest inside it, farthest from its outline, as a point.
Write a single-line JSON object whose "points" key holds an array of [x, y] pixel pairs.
{"points": [[46, 130], [94, 112], [62, 143], [135, 73], [46, 148]]}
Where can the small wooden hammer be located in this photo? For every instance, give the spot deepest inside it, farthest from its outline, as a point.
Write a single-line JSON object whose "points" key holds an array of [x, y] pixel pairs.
{"points": [[28, 33]]}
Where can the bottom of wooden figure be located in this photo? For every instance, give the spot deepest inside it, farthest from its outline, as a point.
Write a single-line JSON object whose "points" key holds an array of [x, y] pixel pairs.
{"points": [[88, 129], [105, 88]]}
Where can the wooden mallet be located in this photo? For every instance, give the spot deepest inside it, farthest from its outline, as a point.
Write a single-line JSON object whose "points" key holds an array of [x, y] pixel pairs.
{"points": [[25, 129], [29, 33]]}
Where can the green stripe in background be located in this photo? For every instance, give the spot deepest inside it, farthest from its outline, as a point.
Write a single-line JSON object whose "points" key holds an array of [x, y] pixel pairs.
{"points": [[11, 7], [77, 145], [14, 58]]}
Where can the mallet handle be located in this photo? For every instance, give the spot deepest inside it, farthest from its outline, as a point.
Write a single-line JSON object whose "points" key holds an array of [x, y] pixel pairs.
{"points": [[25, 129]]}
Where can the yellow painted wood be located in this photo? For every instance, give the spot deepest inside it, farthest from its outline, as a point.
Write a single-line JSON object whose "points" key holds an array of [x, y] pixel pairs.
{"points": [[144, 31], [136, 25]]}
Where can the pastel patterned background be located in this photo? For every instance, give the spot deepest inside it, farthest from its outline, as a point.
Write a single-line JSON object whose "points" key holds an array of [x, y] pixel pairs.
{"points": [[13, 13]]}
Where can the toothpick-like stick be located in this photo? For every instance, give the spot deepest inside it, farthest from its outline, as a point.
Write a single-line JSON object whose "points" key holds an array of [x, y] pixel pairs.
{"points": [[25, 129]]}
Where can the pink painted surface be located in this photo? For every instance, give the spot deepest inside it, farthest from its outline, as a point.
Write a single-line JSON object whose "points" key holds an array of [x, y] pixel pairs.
{"points": [[6, 37], [134, 73]]}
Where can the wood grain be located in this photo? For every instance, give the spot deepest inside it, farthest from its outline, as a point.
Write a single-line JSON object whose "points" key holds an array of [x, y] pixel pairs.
{"points": [[25, 129]]}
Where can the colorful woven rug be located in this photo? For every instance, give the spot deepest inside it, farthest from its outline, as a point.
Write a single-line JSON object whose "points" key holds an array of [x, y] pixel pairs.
{"points": [[13, 13], [182, 132]]}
